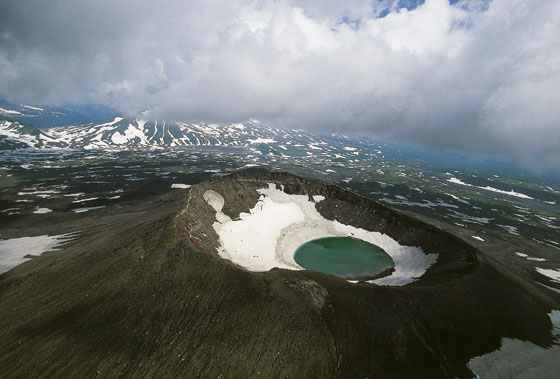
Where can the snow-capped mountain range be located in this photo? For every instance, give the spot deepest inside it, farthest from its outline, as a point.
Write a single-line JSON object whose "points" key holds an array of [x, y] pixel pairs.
{"points": [[23, 126], [123, 133], [119, 133]]}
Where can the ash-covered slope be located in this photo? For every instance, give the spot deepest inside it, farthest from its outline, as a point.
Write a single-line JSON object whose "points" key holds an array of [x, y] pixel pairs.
{"points": [[142, 293]]}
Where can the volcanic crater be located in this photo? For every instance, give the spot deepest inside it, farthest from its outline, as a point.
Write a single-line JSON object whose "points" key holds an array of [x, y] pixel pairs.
{"points": [[148, 290]]}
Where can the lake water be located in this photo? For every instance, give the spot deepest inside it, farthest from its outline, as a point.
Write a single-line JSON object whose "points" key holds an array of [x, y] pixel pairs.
{"points": [[343, 256]]}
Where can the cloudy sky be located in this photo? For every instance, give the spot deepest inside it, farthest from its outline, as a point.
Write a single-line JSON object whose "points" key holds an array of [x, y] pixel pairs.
{"points": [[479, 76]]}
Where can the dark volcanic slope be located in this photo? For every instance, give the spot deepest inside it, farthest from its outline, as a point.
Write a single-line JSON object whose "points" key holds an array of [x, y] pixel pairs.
{"points": [[142, 294]]}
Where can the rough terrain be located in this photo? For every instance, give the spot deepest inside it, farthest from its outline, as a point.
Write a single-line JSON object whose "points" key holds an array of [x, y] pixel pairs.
{"points": [[142, 293]]}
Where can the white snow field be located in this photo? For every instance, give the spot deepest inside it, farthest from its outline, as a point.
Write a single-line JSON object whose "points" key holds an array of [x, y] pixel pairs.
{"points": [[492, 189], [268, 236], [12, 251], [180, 185], [86, 209], [554, 275], [521, 359], [42, 210]]}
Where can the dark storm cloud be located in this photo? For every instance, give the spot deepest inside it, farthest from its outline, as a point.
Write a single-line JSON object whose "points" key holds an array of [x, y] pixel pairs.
{"points": [[476, 76]]}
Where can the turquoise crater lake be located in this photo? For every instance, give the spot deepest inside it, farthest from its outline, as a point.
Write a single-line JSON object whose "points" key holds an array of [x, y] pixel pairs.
{"points": [[345, 257]]}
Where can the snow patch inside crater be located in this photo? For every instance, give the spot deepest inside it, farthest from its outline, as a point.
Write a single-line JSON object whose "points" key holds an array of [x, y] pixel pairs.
{"points": [[279, 223]]}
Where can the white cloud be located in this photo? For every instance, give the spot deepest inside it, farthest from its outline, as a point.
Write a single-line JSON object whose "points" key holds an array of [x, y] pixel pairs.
{"points": [[474, 76]]}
